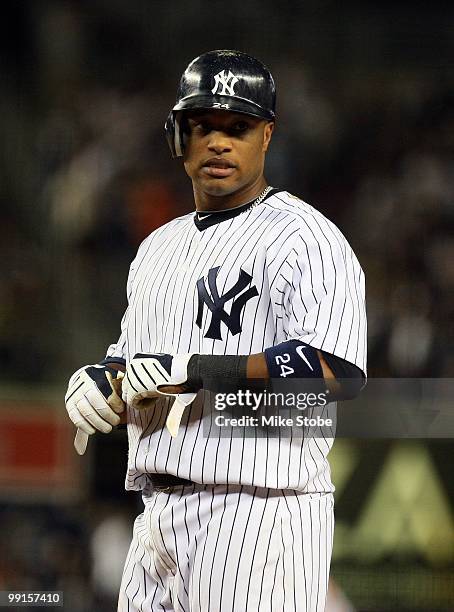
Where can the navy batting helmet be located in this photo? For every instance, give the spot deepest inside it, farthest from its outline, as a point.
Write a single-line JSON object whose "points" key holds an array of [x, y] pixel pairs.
{"points": [[222, 80]]}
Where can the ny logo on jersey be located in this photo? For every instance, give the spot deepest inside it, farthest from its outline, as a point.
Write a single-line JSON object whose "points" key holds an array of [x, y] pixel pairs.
{"points": [[215, 303], [226, 81]]}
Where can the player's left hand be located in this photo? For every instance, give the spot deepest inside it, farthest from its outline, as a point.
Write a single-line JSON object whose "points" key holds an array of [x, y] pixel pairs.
{"points": [[150, 375], [155, 374]]}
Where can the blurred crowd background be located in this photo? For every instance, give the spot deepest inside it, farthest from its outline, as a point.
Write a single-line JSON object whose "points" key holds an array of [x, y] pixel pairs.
{"points": [[365, 133]]}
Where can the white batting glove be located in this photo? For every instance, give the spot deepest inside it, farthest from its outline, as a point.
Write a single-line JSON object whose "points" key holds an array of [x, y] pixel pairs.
{"points": [[93, 401], [147, 373]]}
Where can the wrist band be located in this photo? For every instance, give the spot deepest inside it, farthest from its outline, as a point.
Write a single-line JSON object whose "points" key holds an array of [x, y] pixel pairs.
{"points": [[213, 371], [117, 360]]}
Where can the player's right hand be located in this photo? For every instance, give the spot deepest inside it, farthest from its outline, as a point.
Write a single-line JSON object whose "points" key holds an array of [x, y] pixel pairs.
{"points": [[93, 399]]}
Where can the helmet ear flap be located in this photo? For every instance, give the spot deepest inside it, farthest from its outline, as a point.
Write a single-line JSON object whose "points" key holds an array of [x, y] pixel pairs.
{"points": [[174, 133]]}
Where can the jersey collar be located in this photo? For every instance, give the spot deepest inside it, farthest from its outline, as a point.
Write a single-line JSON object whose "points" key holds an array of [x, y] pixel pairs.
{"points": [[205, 219]]}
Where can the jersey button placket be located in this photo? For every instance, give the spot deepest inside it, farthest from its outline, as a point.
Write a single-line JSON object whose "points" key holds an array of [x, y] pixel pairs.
{"points": [[191, 254]]}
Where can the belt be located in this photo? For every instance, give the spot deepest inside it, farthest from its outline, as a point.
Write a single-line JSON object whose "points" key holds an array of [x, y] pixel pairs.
{"points": [[166, 482]]}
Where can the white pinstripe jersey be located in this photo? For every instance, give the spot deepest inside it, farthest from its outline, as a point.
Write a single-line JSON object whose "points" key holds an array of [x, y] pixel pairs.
{"points": [[308, 286]]}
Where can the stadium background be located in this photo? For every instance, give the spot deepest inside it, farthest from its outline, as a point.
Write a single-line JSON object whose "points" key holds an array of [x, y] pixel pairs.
{"points": [[365, 132]]}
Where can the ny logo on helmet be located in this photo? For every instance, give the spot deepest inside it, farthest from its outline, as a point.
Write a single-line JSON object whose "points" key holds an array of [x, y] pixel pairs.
{"points": [[216, 302], [226, 81]]}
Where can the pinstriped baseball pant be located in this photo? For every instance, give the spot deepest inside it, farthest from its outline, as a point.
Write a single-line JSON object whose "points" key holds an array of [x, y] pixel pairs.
{"points": [[219, 548]]}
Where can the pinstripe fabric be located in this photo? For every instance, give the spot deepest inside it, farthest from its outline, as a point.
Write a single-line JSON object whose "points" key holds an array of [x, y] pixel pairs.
{"points": [[309, 285], [247, 549], [255, 532]]}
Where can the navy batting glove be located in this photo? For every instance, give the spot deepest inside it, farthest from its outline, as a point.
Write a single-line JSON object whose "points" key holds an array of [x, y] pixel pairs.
{"points": [[147, 373], [93, 399]]}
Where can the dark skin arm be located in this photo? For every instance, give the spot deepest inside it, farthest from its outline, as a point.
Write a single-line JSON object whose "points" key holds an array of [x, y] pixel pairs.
{"points": [[257, 368]]}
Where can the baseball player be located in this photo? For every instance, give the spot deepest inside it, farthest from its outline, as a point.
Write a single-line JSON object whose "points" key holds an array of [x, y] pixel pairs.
{"points": [[255, 284]]}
